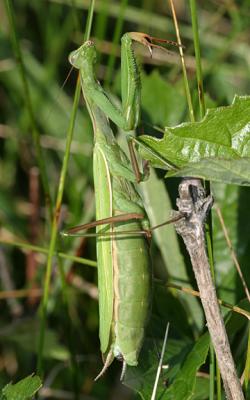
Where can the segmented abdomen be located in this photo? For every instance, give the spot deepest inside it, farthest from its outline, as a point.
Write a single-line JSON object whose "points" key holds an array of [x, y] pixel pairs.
{"points": [[132, 292]]}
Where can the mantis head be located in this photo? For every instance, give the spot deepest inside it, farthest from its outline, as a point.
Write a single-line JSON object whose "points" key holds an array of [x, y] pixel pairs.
{"points": [[86, 54]]}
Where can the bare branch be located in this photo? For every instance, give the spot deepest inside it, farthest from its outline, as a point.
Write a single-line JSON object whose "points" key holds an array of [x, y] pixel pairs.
{"points": [[194, 204]]}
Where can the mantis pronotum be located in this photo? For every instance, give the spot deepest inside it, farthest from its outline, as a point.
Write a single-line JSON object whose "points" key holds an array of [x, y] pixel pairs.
{"points": [[124, 266]]}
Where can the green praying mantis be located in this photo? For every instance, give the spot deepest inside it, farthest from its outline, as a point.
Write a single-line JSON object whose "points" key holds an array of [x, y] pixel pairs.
{"points": [[122, 226]]}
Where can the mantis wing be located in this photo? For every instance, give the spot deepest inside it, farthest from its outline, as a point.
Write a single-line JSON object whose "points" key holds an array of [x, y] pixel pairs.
{"points": [[103, 197]]}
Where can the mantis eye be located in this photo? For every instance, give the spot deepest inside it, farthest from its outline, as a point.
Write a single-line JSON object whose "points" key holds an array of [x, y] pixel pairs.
{"points": [[73, 58], [89, 43]]}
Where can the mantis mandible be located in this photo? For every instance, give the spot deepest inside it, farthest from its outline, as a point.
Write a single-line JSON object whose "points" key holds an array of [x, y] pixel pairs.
{"points": [[124, 266]]}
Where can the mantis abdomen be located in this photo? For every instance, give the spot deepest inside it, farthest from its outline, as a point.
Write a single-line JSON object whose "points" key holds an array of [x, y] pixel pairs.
{"points": [[132, 290], [124, 266]]}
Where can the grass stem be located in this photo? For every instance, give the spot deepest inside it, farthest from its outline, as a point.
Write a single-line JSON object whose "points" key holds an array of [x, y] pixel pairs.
{"points": [[54, 227], [196, 39]]}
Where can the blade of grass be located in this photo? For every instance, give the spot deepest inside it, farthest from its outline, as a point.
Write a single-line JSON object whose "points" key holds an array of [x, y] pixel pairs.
{"points": [[42, 250], [101, 22], [70, 338], [191, 114], [212, 365], [192, 292], [54, 230], [247, 365], [184, 71], [208, 233], [218, 381], [196, 39], [159, 369], [89, 21], [53, 237], [202, 107], [48, 200], [115, 41], [233, 253]]}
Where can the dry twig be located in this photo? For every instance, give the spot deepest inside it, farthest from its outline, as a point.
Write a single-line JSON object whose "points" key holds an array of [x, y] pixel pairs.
{"points": [[194, 205]]}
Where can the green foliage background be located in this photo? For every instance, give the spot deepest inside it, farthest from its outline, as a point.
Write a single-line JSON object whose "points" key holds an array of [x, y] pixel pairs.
{"points": [[47, 31]]}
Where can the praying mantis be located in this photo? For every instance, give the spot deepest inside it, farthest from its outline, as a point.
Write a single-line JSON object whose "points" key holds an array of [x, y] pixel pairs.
{"points": [[122, 225]]}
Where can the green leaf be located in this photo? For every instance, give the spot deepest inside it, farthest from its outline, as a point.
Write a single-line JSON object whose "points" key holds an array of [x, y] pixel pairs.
{"points": [[22, 390], [182, 363], [141, 379], [155, 194], [216, 148], [237, 321], [227, 199], [243, 239], [183, 387], [232, 171], [201, 388]]}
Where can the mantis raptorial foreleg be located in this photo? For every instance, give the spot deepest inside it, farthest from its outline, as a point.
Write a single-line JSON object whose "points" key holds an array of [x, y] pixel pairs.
{"points": [[126, 117]]}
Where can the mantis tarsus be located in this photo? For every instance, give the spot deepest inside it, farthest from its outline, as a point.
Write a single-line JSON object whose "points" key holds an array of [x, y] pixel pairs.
{"points": [[124, 266]]}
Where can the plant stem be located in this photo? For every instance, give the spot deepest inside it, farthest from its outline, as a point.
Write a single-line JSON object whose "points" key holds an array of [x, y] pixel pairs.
{"points": [[42, 250], [193, 203], [202, 106], [192, 292], [184, 70], [101, 24], [197, 57], [115, 41], [53, 238], [211, 370], [218, 381], [247, 365], [89, 21]]}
